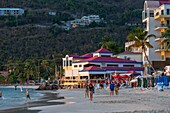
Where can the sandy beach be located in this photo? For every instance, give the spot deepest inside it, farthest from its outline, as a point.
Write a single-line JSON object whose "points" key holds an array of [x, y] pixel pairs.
{"points": [[128, 101]]}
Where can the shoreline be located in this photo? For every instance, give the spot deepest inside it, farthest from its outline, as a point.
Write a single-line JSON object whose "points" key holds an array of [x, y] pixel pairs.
{"points": [[43, 101], [18, 86]]}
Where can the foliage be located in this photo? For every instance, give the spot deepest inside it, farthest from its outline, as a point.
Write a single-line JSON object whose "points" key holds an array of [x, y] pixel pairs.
{"points": [[2, 79], [140, 38], [110, 45], [30, 40], [167, 40]]}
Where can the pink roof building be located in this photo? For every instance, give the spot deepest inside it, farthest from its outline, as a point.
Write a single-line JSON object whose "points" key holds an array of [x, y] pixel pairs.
{"points": [[97, 65]]}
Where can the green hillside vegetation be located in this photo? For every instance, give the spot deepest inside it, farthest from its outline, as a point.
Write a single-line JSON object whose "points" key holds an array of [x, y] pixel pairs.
{"points": [[35, 35]]}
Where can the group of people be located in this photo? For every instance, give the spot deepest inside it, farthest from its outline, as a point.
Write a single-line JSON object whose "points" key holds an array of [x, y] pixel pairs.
{"points": [[114, 86], [90, 89]]}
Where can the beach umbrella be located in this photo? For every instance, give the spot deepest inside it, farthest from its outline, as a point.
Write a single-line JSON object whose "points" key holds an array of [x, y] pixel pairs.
{"points": [[134, 80], [116, 76], [132, 72], [125, 76]]}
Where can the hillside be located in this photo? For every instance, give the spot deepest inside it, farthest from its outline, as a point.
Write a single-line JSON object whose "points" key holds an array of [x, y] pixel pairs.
{"points": [[34, 35]]}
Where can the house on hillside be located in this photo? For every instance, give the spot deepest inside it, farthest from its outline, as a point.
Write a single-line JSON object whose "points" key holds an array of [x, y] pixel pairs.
{"points": [[98, 65], [84, 21], [11, 11]]}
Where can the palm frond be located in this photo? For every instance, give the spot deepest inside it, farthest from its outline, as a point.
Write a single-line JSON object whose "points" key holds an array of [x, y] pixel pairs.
{"points": [[167, 47], [148, 45], [164, 41]]}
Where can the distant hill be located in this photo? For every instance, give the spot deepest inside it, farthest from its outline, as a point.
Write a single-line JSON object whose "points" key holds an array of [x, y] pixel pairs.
{"points": [[34, 35]]}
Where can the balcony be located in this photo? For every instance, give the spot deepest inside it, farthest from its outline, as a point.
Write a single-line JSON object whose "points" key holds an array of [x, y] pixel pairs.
{"points": [[162, 26], [127, 44], [156, 17], [159, 39], [161, 49]]}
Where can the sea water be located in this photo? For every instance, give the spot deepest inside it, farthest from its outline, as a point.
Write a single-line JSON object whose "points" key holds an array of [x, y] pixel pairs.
{"points": [[12, 98]]}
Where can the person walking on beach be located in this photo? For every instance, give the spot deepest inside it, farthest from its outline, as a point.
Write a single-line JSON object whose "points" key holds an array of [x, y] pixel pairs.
{"points": [[86, 90], [112, 88], [0, 94], [27, 94], [91, 88], [117, 85]]}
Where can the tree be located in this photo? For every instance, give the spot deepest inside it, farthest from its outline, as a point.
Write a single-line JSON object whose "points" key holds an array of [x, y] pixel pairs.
{"points": [[140, 38], [110, 45], [166, 35], [104, 42]]}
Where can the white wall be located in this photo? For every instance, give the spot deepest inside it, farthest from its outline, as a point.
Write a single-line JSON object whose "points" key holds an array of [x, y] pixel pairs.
{"points": [[135, 57], [71, 73]]}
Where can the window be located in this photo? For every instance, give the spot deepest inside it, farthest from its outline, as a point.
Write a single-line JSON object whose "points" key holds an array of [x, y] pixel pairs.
{"points": [[145, 15], [163, 57], [162, 12], [128, 58], [112, 65], [64, 63], [125, 57], [157, 13], [75, 66], [67, 63], [167, 11], [151, 14], [80, 65], [70, 63], [105, 55], [128, 65], [168, 23]]}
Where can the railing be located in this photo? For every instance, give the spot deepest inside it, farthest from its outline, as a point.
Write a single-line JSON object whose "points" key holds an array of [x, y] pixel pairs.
{"points": [[129, 43], [163, 25]]}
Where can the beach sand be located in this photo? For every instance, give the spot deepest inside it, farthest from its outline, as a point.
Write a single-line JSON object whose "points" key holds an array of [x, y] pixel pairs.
{"points": [[128, 101]]}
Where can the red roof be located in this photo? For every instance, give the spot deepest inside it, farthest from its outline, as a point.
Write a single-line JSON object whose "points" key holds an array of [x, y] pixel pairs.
{"points": [[124, 68], [73, 55], [129, 52], [164, 2], [103, 50], [87, 55], [107, 59], [132, 72], [93, 68]]}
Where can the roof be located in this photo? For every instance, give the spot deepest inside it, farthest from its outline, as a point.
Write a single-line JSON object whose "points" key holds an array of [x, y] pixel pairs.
{"points": [[11, 9], [152, 4], [93, 68], [88, 55], [73, 55], [164, 2], [129, 52], [103, 50], [108, 59], [124, 68]]}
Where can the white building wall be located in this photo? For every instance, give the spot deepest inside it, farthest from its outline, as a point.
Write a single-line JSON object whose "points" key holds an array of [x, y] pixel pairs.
{"points": [[71, 73], [151, 24], [135, 57]]}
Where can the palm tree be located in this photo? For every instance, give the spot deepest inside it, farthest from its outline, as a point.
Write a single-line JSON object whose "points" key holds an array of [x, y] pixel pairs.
{"points": [[109, 44], [140, 38], [104, 42], [167, 38]]}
